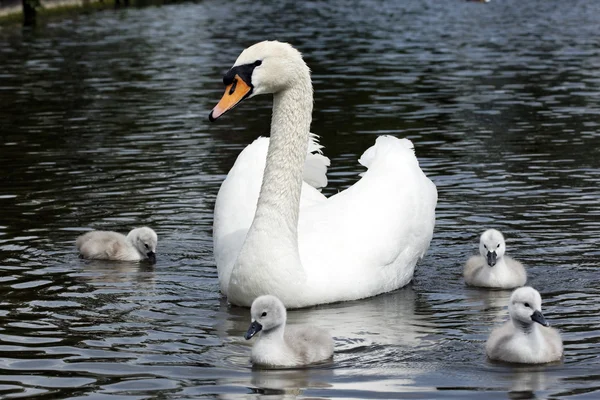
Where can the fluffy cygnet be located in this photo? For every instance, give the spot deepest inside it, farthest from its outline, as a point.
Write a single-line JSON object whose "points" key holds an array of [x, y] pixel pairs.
{"points": [[139, 244], [526, 338], [492, 268], [279, 346]]}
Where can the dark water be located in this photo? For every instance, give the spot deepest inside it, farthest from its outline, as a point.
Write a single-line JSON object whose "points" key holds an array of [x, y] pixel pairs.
{"points": [[103, 124]]}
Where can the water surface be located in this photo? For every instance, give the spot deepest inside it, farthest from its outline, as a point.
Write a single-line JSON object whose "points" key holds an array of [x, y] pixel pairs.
{"points": [[103, 125]]}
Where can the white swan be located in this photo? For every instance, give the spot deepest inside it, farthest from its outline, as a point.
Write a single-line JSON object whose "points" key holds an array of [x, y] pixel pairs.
{"points": [[139, 244], [292, 242], [492, 268], [526, 338], [280, 346]]}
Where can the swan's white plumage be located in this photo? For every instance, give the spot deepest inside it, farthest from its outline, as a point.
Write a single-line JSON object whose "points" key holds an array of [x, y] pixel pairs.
{"points": [[367, 239], [358, 243]]}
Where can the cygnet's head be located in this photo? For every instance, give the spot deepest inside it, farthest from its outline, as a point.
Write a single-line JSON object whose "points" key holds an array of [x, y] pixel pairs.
{"points": [[263, 68], [525, 307], [267, 312], [145, 240], [492, 246]]}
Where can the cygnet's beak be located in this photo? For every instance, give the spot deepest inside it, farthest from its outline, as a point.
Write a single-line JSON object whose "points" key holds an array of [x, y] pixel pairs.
{"points": [[491, 258], [538, 317], [151, 256], [255, 327]]}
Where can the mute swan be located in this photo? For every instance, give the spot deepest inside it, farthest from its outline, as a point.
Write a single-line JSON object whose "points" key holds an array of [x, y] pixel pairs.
{"points": [[289, 240], [522, 340], [280, 346], [492, 268], [138, 245]]}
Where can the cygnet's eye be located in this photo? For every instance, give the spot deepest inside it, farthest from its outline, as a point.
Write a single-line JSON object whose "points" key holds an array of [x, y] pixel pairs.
{"points": [[257, 63], [527, 305], [264, 314]]}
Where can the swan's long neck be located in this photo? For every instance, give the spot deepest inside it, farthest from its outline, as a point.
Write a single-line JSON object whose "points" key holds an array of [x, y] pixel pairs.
{"points": [[270, 257], [279, 200]]}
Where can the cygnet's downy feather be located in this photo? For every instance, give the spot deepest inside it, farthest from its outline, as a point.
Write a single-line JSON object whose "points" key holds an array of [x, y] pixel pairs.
{"points": [[139, 244], [527, 337], [492, 268], [281, 346]]}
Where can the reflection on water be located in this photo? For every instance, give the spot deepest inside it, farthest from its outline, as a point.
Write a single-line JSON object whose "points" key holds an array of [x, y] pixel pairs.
{"points": [[526, 381], [103, 125]]}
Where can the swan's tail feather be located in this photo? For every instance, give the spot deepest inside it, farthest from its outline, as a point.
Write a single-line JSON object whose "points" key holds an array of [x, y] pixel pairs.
{"points": [[385, 145], [315, 166]]}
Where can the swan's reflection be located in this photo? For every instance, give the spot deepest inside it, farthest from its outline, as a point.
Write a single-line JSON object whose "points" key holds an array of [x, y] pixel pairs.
{"points": [[281, 384], [388, 319]]}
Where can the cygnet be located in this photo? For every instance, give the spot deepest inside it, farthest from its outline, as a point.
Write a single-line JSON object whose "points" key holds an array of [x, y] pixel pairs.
{"points": [[279, 346], [139, 244], [527, 337], [492, 268]]}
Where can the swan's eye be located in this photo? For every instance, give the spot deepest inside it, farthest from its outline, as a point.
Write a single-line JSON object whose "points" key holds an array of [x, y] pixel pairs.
{"points": [[233, 85], [264, 314], [485, 246], [257, 63], [145, 245], [498, 245], [527, 305]]}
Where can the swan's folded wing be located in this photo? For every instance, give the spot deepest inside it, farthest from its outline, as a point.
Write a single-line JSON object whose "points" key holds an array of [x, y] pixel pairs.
{"points": [[375, 231]]}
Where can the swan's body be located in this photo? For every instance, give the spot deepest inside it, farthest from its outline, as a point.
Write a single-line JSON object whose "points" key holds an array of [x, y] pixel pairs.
{"points": [[275, 234], [139, 244], [492, 268], [526, 338], [280, 346]]}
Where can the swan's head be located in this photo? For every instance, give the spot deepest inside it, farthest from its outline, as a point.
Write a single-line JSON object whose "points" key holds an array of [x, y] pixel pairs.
{"points": [[263, 68], [267, 312], [492, 246], [525, 307], [145, 240]]}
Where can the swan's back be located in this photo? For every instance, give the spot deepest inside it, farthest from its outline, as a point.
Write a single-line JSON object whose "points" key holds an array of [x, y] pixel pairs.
{"points": [[105, 245], [375, 231]]}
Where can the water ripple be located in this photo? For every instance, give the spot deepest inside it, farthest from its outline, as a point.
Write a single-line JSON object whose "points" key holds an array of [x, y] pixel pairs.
{"points": [[104, 126]]}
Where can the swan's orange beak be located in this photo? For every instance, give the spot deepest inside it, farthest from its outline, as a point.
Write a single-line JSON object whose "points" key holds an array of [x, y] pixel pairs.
{"points": [[234, 93]]}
